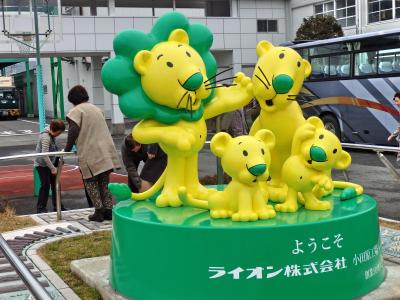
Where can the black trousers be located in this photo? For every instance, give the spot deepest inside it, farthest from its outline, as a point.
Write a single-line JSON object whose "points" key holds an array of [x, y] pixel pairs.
{"points": [[47, 180]]}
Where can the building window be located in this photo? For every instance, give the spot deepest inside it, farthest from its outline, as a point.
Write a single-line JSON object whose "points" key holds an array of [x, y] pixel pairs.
{"points": [[267, 25], [346, 12], [381, 10], [343, 10], [327, 8]]}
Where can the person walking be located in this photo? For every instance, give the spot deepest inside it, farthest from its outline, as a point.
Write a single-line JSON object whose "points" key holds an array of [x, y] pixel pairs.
{"points": [[396, 133], [97, 156], [46, 166], [155, 162]]}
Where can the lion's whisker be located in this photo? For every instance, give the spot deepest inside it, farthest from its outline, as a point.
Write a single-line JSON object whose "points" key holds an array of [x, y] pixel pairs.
{"points": [[219, 86], [264, 75], [182, 98], [210, 83], [262, 81], [218, 74]]}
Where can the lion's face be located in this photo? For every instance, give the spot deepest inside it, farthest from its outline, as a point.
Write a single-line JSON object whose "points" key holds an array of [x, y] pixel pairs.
{"points": [[323, 151], [278, 76], [173, 74], [245, 158]]}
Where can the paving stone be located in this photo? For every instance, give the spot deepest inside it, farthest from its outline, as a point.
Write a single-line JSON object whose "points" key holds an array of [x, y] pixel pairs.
{"points": [[64, 230], [34, 236], [74, 228], [44, 234], [53, 231]]}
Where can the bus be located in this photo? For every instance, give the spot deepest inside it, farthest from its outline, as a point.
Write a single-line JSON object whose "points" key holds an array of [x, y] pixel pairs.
{"points": [[352, 84], [9, 104]]}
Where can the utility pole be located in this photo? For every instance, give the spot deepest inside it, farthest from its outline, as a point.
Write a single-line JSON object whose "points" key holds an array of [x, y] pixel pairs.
{"points": [[39, 77], [39, 89]]}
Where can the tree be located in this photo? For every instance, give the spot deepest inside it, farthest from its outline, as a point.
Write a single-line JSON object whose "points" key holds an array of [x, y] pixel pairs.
{"points": [[318, 28]]}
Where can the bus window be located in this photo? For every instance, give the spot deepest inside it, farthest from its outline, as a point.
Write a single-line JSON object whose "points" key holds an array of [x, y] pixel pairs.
{"points": [[330, 48], [303, 53], [318, 65], [365, 63], [341, 64], [388, 61]]}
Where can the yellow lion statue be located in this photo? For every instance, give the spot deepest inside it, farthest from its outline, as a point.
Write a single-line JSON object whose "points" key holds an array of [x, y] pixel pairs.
{"points": [[307, 172], [277, 80], [167, 79], [246, 159]]}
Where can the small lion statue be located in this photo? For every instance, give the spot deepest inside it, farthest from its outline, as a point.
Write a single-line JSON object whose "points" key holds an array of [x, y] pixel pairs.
{"points": [[167, 80], [246, 159], [307, 172]]}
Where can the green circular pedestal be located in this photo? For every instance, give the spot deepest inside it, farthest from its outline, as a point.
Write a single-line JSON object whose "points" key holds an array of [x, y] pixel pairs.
{"points": [[182, 254]]}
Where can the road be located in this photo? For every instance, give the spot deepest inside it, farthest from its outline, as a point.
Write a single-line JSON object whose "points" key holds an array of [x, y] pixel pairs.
{"points": [[16, 179]]}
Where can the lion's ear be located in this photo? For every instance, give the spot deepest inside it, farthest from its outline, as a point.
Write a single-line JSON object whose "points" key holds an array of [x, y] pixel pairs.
{"points": [[317, 122], [267, 137], [307, 68], [344, 161], [142, 61], [263, 47], [179, 35], [219, 143]]}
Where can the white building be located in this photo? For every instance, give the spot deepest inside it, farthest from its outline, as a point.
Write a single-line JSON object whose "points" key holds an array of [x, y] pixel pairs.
{"points": [[355, 16], [83, 30]]}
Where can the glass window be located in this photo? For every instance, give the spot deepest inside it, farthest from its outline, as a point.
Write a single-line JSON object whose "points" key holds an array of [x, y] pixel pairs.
{"points": [[365, 63], [339, 65], [346, 12], [328, 49], [318, 9], [380, 10], [388, 61], [303, 53], [319, 66], [326, 8], [267, 25]]}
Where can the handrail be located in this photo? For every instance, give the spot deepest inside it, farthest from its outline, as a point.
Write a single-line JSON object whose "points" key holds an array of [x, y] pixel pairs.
{"points": [[59, 167], [34, 286], [59, 153], [375, 148]]}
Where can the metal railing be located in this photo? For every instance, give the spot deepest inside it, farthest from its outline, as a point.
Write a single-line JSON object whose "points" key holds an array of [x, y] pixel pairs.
{"points": [[379, 152], [60, 154], [34, 286]]}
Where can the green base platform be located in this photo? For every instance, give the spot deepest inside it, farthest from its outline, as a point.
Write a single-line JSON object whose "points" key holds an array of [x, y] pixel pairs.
{"points": [[182, 254]]}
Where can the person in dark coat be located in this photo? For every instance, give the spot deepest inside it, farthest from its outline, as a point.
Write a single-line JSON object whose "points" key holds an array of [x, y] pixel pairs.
{"points": [[155, 161]]}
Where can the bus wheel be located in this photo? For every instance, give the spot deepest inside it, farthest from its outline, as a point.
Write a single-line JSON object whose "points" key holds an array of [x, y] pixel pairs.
{"points": [[332, 124]]}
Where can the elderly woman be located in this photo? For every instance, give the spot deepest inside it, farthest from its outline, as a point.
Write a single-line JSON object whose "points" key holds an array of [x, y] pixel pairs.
{"points": [[96, 151]]}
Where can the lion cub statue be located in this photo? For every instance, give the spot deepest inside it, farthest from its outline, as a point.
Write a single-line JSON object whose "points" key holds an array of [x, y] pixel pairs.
{"points": [[277, 80], [246, 159], [307, 172]]}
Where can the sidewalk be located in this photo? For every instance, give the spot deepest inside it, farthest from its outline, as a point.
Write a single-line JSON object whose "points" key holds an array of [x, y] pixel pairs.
{"points": [[75, 222]]}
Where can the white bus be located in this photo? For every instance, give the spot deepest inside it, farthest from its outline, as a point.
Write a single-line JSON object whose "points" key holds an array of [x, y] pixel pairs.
{"points": [[353, 81]]}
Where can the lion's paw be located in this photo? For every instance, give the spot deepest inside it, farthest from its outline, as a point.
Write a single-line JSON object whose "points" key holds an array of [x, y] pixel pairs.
{"points": [[287, 207], [244, 216], [220, 213], [266, 213], [318, 205], [277, 194], [168, 199]]}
